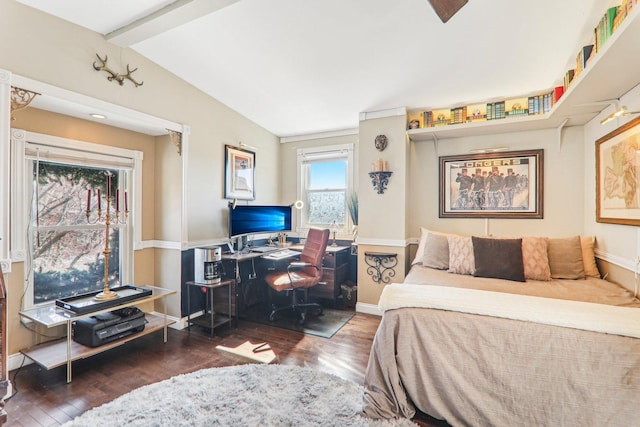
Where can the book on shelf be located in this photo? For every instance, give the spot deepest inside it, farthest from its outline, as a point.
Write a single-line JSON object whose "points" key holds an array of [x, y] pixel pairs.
{"points": [[568, 78], [428, 119], [556, 94], [516, 107], [495, 110], [583, 58], [458, 115], [476, 113], [441, 117]]}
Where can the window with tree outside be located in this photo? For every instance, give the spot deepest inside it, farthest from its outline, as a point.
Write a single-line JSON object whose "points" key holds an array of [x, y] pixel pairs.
{"points": [[324, 186], [67, 246], [62, 249]]}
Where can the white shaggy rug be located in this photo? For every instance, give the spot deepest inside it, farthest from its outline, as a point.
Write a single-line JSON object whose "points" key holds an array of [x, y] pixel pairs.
{"points": [[245, 395]]}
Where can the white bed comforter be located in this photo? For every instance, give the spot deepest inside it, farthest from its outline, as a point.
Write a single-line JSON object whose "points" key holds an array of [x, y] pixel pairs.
{"points": [[587, 316]]}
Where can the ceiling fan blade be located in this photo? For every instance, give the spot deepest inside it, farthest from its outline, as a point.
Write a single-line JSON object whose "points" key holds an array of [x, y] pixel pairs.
{"points": [[447, 8]]}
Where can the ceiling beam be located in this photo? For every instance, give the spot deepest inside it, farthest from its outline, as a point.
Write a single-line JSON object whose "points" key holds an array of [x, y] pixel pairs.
{"points": [[177, 13]]}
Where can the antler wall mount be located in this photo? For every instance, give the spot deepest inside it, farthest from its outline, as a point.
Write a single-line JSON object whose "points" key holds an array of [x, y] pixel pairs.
{"points": [[113, 76]]}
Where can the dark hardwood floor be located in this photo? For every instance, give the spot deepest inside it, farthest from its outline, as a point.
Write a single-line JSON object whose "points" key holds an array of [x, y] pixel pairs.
{"points": [[45, 399]]}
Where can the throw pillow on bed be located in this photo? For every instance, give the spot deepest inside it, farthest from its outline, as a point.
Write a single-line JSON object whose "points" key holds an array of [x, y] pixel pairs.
{"points": [[535, 258], [461, 255], [498, 258], [436, 252], [565, 258]]}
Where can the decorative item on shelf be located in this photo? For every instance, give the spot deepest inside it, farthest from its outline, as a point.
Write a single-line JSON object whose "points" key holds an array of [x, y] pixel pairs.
{"points": [[381, 142], [113, 76], [108, 218], [380, 175], [381, 265]]}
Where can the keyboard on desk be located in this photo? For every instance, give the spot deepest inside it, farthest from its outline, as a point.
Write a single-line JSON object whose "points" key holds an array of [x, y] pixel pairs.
{"points": [[284, 253], [264, 249]]}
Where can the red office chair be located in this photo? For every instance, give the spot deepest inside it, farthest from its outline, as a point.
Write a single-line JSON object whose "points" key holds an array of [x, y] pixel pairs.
{"points": [[301, 275]]}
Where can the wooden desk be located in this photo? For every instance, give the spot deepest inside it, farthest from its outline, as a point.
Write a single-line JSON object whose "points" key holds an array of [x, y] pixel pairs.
{"points": [[335, 272]]}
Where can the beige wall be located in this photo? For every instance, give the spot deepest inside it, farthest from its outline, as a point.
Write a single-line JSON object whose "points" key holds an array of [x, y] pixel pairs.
{"points": [[564, 184], [39, 121], [288, 171], [55, 52]]}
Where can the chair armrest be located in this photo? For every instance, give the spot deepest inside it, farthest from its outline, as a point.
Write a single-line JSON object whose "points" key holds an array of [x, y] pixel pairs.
{"points": [[297, 265]]}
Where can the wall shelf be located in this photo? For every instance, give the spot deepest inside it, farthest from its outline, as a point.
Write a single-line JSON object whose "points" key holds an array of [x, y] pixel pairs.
{"points": [[609, 75]]}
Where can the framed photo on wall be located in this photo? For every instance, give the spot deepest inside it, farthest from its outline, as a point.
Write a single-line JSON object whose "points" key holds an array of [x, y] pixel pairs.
{"points": [[492, 185], [617, 179], [239, 173]]}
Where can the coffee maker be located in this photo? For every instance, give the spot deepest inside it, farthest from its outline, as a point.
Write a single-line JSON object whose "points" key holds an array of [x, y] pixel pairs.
{"points": [[208, 265]]}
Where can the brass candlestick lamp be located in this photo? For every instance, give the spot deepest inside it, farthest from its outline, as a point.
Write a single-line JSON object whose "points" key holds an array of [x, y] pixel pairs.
{"points": [[108, 219]]}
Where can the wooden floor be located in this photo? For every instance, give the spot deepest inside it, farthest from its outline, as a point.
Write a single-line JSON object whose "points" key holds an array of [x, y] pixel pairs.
{"points": [[45, 399]]}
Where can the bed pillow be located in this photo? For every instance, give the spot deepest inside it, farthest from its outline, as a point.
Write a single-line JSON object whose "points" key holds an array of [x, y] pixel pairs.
{"points": [[535, 258], [498, 258], [588, 256], [565, 258], [461, 255], [436, 252], [424, 233]]}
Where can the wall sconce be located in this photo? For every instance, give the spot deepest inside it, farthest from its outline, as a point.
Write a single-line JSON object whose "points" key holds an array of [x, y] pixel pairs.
{"points": [[620, 112]]}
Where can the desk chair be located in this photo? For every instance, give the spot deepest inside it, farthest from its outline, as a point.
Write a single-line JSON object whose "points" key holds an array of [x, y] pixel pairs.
{"points": [[301, 275]]}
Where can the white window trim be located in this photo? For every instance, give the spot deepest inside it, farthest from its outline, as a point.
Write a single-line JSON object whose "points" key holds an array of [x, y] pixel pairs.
{"points": [[23, 141], [318, 153]]}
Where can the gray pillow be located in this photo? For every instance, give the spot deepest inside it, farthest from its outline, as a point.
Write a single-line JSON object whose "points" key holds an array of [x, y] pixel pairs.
{"points": [[436, 252], [565, 258], [498, 258]]}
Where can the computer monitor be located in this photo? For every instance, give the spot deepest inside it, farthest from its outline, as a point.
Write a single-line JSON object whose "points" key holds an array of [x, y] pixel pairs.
{"points": [[253, 219]]}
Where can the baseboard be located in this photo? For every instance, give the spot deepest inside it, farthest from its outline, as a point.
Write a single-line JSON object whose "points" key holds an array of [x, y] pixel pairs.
{"points": [[363, 307], [16, 360]]}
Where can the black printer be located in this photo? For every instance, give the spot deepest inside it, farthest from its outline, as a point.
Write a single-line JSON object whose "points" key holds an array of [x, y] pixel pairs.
{"points": [[103, 328]]}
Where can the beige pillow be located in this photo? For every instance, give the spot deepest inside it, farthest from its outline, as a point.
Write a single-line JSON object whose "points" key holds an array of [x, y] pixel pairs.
{"points": [[588, 256], [422, 243], [536, 258], [461, 259], [436, 252], [565, 258]]}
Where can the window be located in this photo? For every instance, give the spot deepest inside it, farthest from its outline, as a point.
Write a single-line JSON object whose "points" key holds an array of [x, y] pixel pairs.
{"points": [[67, 246], [64, 248], [325, 183]]}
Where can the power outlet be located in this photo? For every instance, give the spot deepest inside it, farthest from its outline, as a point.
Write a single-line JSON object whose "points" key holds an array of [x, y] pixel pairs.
{"points": [[252, 276]]}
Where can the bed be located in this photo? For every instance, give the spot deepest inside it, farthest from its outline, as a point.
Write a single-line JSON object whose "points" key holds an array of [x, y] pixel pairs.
{"points": [[490, 351]]}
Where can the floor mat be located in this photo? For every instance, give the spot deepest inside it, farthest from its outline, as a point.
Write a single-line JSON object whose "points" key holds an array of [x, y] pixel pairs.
{"points": [[325, 325]]}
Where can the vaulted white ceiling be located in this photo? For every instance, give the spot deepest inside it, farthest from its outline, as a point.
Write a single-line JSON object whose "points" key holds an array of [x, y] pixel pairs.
{"points": [[307, 66]]}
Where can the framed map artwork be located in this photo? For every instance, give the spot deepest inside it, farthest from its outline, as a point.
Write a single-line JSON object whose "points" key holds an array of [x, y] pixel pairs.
{"points": [[617, 174]]}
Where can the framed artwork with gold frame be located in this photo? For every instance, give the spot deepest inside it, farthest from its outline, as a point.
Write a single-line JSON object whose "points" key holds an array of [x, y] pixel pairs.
{"points": [[239, 173], [617, 175]]}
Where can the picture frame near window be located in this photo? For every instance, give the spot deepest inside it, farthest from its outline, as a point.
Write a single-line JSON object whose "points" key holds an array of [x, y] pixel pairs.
{"points": [[617, 175], [506, 184], [239, 170]]}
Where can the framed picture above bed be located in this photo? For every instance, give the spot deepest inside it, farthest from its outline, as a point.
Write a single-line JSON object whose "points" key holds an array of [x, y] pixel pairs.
{"points": [[505, 184], [617, 175], [239, 173]]}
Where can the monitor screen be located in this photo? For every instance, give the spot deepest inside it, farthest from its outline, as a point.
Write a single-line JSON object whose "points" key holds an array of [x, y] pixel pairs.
{"points": [[248, 219]]}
